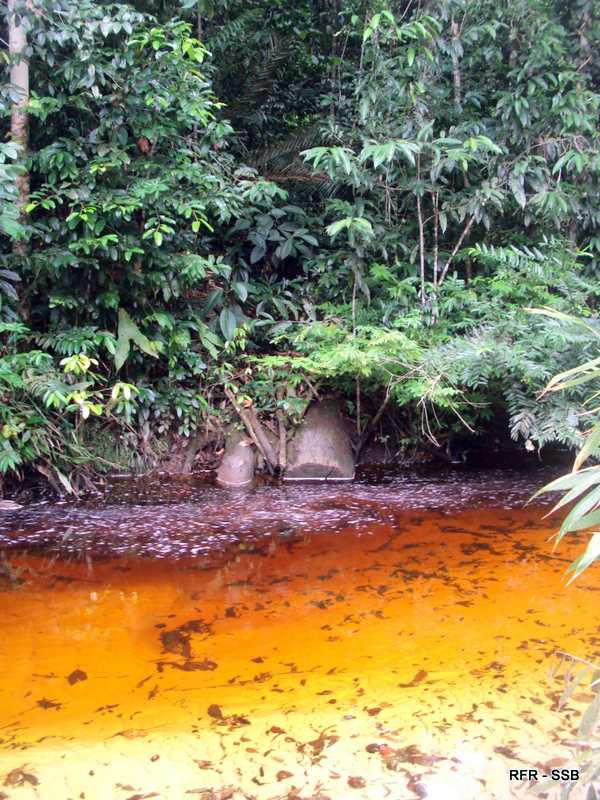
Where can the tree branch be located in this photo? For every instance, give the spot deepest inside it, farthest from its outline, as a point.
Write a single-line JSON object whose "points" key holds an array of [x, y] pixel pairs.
{"points": [[372, 424], [255, 431], [457, 246]]}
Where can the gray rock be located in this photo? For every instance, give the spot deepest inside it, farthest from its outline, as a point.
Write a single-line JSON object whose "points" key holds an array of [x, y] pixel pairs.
{"points": [[239, 461], [321, 449]]}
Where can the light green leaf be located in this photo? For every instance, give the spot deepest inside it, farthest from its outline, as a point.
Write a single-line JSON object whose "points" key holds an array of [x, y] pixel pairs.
{"points": [[241, 290], [64, 480], [591, 445], [128, 331], [227, 323]]}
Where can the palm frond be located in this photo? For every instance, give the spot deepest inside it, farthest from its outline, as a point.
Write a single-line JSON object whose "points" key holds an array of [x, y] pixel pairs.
{"points": [[281, 161], [233, 32]]}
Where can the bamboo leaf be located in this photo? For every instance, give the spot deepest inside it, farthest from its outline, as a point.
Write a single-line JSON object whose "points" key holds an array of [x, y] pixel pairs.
{"points": [[564, 482], [560, 315], [590, 718], [583, 484], [591, 444], [589, 503], [572, 685], [574, 371], [590, 520]]}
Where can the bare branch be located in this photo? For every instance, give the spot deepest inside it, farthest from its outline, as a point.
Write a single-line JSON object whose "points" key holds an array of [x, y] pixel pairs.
{"points": [[457, 247]]}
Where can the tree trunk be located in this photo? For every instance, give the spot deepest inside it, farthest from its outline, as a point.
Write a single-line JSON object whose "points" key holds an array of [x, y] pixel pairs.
{"points": [[456, 76], [336, 10], [585, 48], [199, 26], [19, 118], [19, 121], [281, 431]]}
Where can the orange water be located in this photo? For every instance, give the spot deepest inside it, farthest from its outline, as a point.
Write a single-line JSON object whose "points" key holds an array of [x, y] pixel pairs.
{"points": [[405, 658]]}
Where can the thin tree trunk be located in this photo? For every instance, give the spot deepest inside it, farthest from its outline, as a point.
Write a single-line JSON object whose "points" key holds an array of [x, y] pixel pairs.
{"points": [[281, 430], [357, 382], [456, 76], [585, 49], [19, 118], [585, 60], [435, 198], [372, 425], [199, 28], [457, 246], [336, 10], [469, 271], [421, 248], [421, 236]]}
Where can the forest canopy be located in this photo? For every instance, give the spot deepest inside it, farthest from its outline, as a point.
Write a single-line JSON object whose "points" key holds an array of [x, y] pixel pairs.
{"points": [[273, 201]]}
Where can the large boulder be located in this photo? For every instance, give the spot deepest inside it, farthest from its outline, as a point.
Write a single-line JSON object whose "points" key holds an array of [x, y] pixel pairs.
{"points": [[321, 449], [239, 461]]}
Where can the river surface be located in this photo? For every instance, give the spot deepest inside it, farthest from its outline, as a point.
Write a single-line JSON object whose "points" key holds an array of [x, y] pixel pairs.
{"points": [[390, 639]]}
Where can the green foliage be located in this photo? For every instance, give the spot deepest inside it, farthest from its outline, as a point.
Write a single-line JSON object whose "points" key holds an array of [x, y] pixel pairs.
{"points": [[334, 353], [9, 215], [581, 487], [356, 194]]}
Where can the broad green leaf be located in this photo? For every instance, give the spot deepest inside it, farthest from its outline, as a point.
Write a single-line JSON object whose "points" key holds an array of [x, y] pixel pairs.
{"points": [[258, 252], [241, 290], [285, 249], [129, 332], [228, 323], [213, 299], [338, 226]]}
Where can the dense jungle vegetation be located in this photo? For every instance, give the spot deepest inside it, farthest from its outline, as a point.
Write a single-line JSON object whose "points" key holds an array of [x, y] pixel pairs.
{"points": [[262, 202]]}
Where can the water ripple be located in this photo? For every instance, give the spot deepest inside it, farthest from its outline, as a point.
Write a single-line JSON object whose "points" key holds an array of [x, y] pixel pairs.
{"points": [[166, 518]]}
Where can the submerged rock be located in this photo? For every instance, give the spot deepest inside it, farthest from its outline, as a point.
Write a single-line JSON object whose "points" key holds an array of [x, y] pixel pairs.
{"points": [[321, 450], [239, 461]]}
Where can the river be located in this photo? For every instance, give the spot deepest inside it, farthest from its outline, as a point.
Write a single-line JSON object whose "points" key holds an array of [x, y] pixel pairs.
{"points": [[385, 639]]}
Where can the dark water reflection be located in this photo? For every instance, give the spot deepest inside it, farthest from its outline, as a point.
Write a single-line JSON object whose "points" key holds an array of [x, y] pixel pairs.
{"points": [[168, 518]]}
